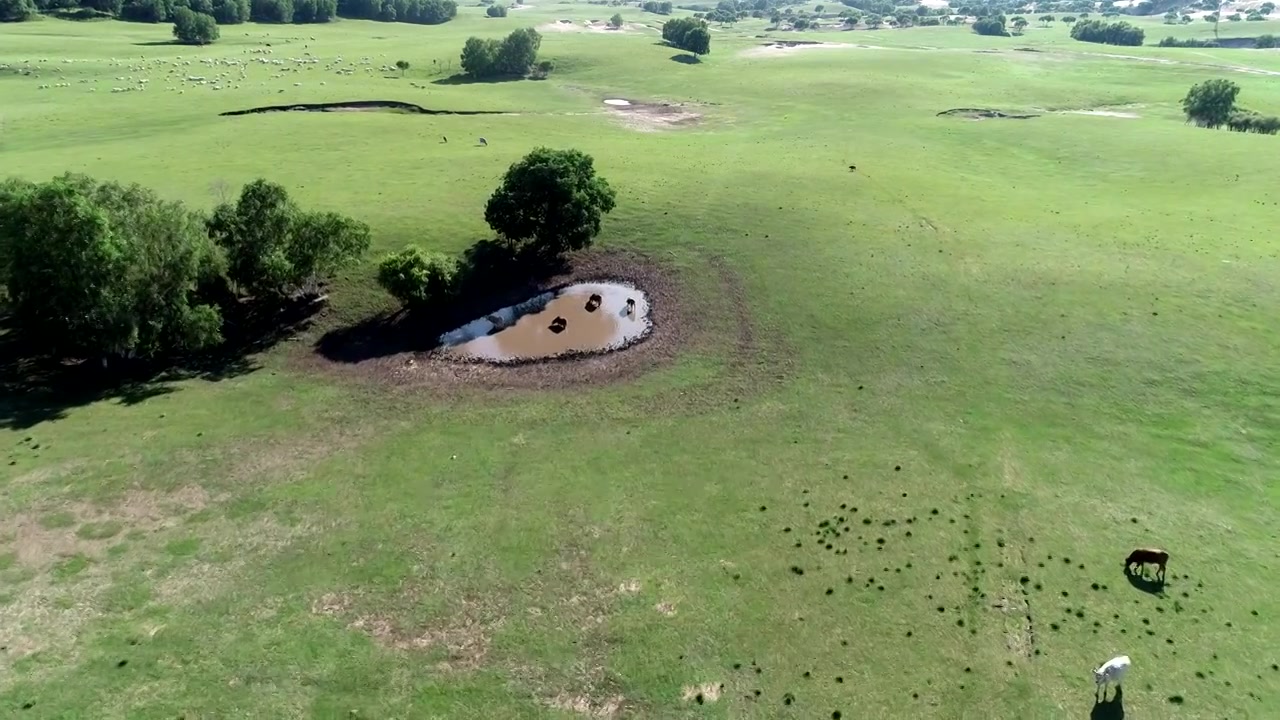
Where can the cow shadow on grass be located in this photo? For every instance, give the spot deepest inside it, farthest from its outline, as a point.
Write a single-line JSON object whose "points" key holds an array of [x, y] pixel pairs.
{"points": [[490, 277], [1112, 709], [36, 388], [1151, 586]]}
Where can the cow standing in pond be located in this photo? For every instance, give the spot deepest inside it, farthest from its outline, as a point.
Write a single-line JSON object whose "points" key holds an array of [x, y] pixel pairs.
{"points": [[1148, 556], [1111, 673]]}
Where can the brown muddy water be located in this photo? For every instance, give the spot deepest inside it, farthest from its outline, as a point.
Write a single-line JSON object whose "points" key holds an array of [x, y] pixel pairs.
{"points": [[580, 318]]}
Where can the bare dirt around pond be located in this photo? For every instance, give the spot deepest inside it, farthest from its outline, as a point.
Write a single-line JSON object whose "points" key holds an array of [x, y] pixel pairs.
{"points": [[652, 116]]}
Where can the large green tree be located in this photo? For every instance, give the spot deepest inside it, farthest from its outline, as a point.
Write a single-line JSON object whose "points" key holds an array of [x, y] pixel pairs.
{"points": [[193, 28], [550, 202], [1209, 104], [275, 248], [417, 278], [16, 10], [105, 270]]}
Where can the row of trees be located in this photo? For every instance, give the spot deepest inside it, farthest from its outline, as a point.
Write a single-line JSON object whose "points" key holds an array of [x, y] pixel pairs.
{"points": [[688, 34], [1212, 104], [661, 8], [193, 28], [1113, 33], [232, 12], [549, 203], [108, 271], [514, 55]]}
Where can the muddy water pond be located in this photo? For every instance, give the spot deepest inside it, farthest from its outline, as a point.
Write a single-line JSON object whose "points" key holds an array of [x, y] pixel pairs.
{"points": [[581, 318]]}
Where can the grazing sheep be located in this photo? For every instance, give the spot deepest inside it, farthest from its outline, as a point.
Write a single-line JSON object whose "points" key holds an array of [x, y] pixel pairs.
{"points": [[1111, 673]]}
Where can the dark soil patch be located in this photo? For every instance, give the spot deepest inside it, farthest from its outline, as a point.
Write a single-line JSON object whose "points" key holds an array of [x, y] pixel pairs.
{"points": [[983, 114], [358, 105]]}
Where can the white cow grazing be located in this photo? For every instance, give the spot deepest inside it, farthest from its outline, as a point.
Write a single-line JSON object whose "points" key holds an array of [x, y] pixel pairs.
{"points": [[1111, 673]]}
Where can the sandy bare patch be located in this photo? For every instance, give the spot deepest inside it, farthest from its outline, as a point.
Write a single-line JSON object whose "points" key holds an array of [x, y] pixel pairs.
{"points": [[665, 608], [1101, 113], [630, 587], [654, 117], [89, 529], [463, 637], [595, 26], [782, 48], [704, 693], [590, 707]]}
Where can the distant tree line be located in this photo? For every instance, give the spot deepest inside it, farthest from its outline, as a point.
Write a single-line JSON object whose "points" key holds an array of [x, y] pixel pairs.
{"points": [[233, 12], [990, 25], [513, 56], [1108, 33], [1212, 104], [661, 8], [104, 271]]}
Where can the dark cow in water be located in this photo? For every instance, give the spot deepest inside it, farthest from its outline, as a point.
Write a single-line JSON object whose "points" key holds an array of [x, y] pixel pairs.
{"points": [[1147, 556]]}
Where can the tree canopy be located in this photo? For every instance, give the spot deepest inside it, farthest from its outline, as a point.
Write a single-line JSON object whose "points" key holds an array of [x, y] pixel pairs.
{"points": [[991, 25], [105, 270], [275, 248], [550, 202], [16, 10], [496, 10], [515, 54], [421, 12], [193, 28], [688, 34], [416, 278], [1210, 103], [1107, 33]]}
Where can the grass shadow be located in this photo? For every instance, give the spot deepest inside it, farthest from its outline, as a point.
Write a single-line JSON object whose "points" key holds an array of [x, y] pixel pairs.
{"points": [[156, 43], [36, 388], [464, 79], [686, 58], [1112, 709], [1151, 586], [490, 278]]}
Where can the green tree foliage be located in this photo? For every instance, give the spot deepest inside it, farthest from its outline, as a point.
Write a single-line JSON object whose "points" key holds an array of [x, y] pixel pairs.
{"points": [[991, 25], [615, 22], [1108, 33], [1210, 103], [659, 8], [550, 202], [314, 11], [271, 11], [874, 21], [420, 12], [1266, 41], [1188, 42], [1046, 19], [275, 248], [418, 279], [402, 65], [1171, 18], [496, 10], [515, 54], [105, 270], [698, 41], [193, 28], [232, 12], [1068, 19], [1234, 17], [1250, 121], [105, 7], [144, 11], [1019, 24], [17, 10], [674, 32]]}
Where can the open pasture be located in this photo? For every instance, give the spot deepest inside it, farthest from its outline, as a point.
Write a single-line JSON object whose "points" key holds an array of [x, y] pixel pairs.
{"points": [[924, 381]]}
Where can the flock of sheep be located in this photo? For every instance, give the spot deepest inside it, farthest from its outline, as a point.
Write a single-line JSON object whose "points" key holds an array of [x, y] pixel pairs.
{"points": [[221, 73]]}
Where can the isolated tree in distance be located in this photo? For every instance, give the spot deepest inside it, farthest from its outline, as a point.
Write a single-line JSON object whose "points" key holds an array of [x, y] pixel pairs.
{"points": [[104, 270], [992, 25], [496, 10], [17, 10], [274, 248], [1046, 19], [615, 22], [1209, 104], [674, 31], [193, 28], [1170, 17], [402, 65], [417, 278], [1068, 19], [479, 56], [698, 41], [550, 202], [1019, 24], [874, 21], [518, 52]]}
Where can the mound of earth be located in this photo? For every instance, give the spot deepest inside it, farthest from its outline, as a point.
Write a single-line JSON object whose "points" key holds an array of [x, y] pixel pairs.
{"points": [[983, 114], [651, 117], [359, 106]]}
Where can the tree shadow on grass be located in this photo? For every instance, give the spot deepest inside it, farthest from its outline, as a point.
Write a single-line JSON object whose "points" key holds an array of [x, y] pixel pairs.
{"points": [[489, 279], [36, 388], [1151, 586], [1112, 709], [157, 43], [464, 79], [686, 59]]}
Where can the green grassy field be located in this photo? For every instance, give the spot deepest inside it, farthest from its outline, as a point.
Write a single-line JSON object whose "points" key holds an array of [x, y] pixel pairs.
{"points": [[983, 367]]}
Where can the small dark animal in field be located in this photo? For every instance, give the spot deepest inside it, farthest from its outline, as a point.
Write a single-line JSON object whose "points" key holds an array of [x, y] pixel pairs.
{"points": [[444, 139], [484, 143], [852, 168], [558, 325], [1147, 556], [593, 302], [631, 306]]}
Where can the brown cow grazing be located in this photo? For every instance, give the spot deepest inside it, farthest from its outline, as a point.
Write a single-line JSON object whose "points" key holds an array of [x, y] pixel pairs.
{"points": [[1148, 556], [593, 302]]}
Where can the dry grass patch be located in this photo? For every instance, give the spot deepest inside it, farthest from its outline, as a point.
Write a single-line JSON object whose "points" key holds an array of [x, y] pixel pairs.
{"points": [[704, 693], [654, 117], [590, 707]]}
